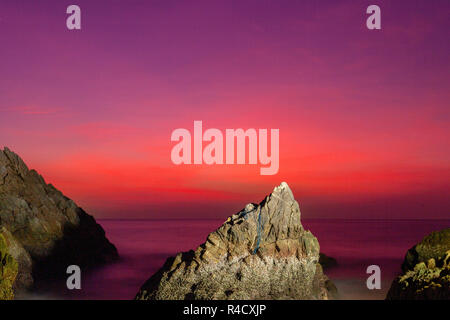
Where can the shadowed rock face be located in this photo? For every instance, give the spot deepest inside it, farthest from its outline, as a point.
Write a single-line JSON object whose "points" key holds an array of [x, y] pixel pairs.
{"points": [[262, 252], [433, 245], [46, 231], [426, 270]]}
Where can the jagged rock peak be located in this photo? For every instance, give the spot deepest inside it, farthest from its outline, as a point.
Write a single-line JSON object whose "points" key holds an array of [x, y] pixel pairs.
{"points": [[261, 252], [45, 231]]}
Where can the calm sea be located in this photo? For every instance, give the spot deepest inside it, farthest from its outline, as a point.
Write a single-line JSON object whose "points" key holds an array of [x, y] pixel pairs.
{"points": [[144, 246]]}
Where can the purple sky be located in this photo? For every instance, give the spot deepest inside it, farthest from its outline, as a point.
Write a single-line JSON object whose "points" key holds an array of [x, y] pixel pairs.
{"points": [[363, 115]]}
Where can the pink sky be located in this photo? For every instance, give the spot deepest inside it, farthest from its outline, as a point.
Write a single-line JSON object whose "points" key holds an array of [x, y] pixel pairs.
{"points": [[363, 115]]}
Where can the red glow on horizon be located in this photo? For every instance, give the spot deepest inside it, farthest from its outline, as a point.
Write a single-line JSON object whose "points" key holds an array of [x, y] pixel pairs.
{"points": [[363, 117]]}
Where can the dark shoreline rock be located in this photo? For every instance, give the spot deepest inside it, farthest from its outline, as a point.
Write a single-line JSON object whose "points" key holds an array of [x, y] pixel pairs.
{"points": [[326, 261], [262, 252], [426, 270], [8, 270], [46, 231]]}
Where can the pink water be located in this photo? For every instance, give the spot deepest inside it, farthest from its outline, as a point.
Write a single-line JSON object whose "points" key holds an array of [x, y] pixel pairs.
{"points": [[144, 246]]}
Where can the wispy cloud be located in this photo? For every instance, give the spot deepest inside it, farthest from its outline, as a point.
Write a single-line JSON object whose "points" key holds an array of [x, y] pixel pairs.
{"points": [[32, 110]]}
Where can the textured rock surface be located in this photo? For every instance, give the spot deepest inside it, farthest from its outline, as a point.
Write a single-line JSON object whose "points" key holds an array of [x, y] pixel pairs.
{"points": [[8, 270], [13, 248], [262, 252], [426, 270], [45, 230], [433, 245]]}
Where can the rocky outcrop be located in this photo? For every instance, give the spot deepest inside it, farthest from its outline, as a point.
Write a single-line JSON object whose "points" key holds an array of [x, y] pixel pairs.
{"points": [[12, 248], [8, 270], [326, 261], [262, 252], [433, 246], [426, 270], [44, 231]]}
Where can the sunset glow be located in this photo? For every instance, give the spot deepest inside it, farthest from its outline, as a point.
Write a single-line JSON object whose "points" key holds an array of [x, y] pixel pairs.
{"points": [[363, 116]]}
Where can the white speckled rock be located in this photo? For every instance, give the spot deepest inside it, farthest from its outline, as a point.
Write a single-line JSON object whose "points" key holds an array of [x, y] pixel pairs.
{"points": [[262, 252]]}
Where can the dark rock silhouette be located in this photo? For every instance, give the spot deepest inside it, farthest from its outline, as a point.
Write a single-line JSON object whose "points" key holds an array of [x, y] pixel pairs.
{"points": [[326, 261], [43, 230]]}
